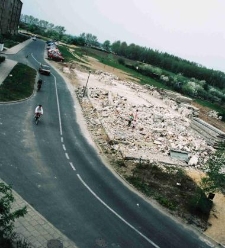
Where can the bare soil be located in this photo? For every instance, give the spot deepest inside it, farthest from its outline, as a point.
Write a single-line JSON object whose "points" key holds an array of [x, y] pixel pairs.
{"points": [[214, 228]]}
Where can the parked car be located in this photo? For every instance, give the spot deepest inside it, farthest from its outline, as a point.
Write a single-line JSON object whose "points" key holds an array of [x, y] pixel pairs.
{"points": [[44, 69], [51, 46], [34, 37], [51, 42], [56, 56], [55, 50]]}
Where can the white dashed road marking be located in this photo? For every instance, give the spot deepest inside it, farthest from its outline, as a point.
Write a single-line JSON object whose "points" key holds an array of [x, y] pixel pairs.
{"points": [[117, 215], [67, 156], [71, 164]]}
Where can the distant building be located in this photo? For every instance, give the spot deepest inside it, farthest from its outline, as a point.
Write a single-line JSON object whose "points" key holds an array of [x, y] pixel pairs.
{"points": [[10, 11]]}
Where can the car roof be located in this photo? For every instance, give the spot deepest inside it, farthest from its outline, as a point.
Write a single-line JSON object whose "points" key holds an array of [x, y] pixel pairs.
{"points": [[45, 66]]}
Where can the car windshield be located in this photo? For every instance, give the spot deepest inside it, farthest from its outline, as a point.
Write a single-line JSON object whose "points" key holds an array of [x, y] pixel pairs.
{"points": [[45, 67]]}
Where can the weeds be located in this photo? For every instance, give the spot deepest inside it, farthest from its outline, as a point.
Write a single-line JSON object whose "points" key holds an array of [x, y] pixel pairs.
{"points": [[172, 188]]}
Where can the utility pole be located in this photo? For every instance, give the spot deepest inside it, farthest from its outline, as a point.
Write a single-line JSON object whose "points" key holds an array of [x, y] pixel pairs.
{"points": [[86, 83]]}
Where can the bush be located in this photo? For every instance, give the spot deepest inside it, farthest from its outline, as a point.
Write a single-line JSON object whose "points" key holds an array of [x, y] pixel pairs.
{"points": [[7, 217], [200, 205], [10, 40], [121, 61], [222, 114]]}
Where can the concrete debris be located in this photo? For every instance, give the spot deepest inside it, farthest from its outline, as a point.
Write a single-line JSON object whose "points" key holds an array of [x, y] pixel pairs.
{"points": [[214, 114], [193, 160], [211, 134], [165, 121]]}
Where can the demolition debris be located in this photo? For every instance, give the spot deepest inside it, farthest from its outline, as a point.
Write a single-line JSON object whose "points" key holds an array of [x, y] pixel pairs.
{"points": [[144, 122]]}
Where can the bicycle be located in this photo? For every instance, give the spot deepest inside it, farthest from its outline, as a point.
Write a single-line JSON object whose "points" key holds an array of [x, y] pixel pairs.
{"points": [[37, 118], [39, 84], [38, 87]]}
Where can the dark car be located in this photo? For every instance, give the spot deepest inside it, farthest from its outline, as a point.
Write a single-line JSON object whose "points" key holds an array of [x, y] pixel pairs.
{"points": [[44, 69]]}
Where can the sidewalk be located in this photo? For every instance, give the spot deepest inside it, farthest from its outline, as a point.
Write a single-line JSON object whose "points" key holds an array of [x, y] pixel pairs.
{"points": [[33, 227], [8, 64], [5, 69], [17, 48], [36, 230]]}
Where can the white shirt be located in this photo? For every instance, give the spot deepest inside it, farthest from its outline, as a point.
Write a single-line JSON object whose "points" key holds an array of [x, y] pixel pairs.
{"points": [[39, 110]]}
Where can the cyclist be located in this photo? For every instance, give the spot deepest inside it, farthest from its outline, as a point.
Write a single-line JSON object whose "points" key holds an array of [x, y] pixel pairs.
{"points": [[39, 84], [38, 111]]}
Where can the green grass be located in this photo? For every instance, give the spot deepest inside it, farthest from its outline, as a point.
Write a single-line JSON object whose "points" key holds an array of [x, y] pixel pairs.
{"points": [[112, 60], [210, 105], [13, 40], [68, 56], [18, 86]]}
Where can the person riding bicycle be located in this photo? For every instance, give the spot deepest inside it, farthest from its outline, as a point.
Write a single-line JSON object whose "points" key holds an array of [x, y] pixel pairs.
{"points": [[39, 84], [38, 111]]}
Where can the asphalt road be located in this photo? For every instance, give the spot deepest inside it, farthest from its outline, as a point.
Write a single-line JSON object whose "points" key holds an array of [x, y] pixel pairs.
{"points": [[54, 168]]}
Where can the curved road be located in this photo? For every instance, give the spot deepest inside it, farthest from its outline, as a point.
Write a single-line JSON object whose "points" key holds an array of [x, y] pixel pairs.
{"points": [[54, 168]]}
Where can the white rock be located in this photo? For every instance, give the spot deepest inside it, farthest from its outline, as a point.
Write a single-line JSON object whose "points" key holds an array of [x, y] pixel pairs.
{"points": [[193, 160]]}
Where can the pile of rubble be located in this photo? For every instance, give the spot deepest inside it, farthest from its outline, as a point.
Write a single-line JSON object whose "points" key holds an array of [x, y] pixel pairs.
{"points": [[162, 125], [214, 114]]}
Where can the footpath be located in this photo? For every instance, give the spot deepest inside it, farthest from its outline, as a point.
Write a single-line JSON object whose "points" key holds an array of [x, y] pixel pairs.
{"points": [[33, 227]]}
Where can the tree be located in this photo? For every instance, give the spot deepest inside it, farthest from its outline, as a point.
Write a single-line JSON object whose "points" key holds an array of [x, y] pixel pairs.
{"points": [[214, 181], [106, 45], [60, 30], [90, 39], [43, 24], [78, 41], [124, 49], [7, 217], [116, 47], [50, 26]]}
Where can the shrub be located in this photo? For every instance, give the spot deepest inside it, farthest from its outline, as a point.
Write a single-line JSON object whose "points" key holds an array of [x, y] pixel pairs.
{"points": [[121, 61], [7, 217], [199, 204]]}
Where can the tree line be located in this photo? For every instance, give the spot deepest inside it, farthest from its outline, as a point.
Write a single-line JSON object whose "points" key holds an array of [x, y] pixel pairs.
{"points": [[170, 63]]}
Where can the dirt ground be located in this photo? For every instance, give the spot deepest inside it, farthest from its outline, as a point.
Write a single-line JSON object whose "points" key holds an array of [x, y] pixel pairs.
{"points": [[216, 229]]}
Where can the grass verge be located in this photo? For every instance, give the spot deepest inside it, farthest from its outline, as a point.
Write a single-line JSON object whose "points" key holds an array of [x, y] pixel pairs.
{"points": [[19, 84]]}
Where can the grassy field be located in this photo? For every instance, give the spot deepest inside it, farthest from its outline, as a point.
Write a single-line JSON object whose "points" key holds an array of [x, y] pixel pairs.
{"points": [[68, 56], [210, 105], [19, 84], [110, 60]]}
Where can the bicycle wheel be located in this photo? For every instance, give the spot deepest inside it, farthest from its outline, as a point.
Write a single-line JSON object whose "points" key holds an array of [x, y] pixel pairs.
{"points": [[36, 120]]}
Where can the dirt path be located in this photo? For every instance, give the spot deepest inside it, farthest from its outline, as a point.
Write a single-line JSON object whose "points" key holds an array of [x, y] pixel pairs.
{"points": [[216, 231]]}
